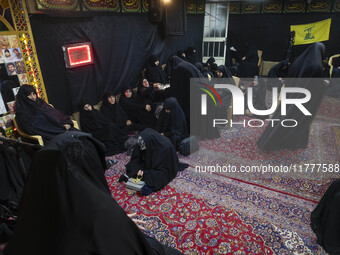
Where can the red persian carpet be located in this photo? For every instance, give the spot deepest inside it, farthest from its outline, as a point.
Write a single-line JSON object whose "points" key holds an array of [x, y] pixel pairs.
{"points": [[209, 214], [239, 213]]}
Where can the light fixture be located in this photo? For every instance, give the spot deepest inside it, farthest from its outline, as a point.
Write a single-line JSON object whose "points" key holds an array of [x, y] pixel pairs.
{"points": [[79, 54]]}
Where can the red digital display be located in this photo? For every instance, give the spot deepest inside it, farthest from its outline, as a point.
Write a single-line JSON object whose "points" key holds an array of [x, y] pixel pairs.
{"points": [[78, 55]]}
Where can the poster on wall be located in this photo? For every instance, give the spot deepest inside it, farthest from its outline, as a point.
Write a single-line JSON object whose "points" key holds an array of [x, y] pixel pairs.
{"points": [[7, 121], [20, 66], [11, 107], [13, 41], [11, 69], [23, 79], [8, 55]]}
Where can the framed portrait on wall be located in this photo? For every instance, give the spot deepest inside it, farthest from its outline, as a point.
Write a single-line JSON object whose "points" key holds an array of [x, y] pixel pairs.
{"points": [[23, 79], [20, 67], [11, 69]]}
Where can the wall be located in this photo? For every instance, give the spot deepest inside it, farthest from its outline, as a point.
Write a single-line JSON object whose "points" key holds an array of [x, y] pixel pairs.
{"points": [[122, 44], [270, 32]]}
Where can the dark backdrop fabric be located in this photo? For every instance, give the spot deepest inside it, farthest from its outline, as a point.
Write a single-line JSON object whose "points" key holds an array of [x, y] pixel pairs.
{"points": [[270, 32], [121, 45]]}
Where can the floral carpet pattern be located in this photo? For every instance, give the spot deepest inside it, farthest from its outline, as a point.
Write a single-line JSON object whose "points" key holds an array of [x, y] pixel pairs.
{"points": [[239, 213], [303, 173], [209, 214]]}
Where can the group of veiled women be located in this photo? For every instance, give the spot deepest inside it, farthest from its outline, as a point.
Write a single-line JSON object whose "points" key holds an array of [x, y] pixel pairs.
{"points": [[76, 214]]}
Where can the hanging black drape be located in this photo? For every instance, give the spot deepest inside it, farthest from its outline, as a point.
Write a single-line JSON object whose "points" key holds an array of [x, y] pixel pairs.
{"points": [[121, 44]]}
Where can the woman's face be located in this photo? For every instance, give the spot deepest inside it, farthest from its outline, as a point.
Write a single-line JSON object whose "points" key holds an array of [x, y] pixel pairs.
{"points": [[111, 99], [156, 62], [256, 81], [32, 96], [128, 93], [219, 74], [145, 83], [167, 111], [87, 107]]}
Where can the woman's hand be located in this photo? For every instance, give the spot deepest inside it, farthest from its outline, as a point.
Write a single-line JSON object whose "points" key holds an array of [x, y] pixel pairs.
{"points": [[139, 223]]}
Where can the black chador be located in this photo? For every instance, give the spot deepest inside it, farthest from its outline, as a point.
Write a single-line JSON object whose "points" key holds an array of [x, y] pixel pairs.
{"points": [[155, 155], [67, 207], [172, 122], [115, 113], [94, 122], [37, 117], [305, 70]]}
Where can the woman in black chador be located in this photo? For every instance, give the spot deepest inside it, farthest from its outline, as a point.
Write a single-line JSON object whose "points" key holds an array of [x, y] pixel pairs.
{"points": [[154, 72], [249, 64], [154, 157], [115, 113], [306, 69], [325, 220], [67, 207], [150, 94], [94, 122], [137, 110], [180, 89], [35, 117], [190, 53], [172, 123], [258, 97]]}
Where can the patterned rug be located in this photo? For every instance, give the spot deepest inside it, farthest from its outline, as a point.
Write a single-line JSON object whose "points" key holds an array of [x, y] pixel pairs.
{"points": [[210, 214], [304, 173], [240, 213]]}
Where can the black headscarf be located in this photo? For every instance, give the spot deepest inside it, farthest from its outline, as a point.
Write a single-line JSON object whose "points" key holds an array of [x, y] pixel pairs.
{"points": [[174, 122], [180, 89], [173, 61], [113, 112], [226, 73], [249, 67], [180, 55], [210, 61], [103, 129], [67, 207], [158, 161], [205, 73], [309, 66], [155, 73], [190, 54], [91, 121], [135, 109], [38, 117], [325, 220]]}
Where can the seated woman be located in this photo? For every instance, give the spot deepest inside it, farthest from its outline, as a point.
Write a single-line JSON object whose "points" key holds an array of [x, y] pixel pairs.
{"points": [[172, 123], [154, 72], [155, 159], [79, 214], [35, 117], [115, 113], [137, 110], [150, 94], [94, 122]]}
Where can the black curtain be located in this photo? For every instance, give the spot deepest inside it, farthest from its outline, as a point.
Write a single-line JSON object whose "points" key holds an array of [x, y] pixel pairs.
{"points": [[121, 43], [270, 32]]}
